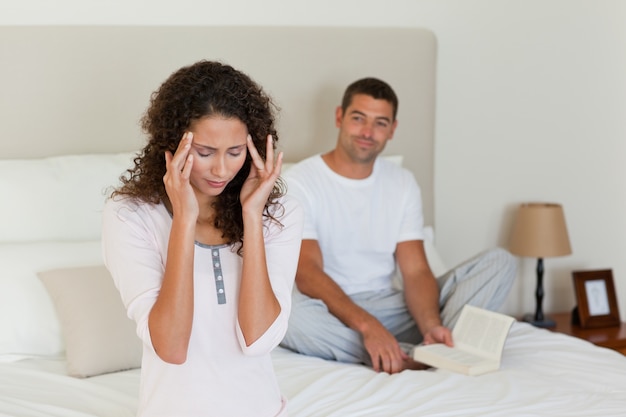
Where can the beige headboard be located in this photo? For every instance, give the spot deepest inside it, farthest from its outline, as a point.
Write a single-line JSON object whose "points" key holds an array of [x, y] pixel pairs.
{"points": [[73, 90]]}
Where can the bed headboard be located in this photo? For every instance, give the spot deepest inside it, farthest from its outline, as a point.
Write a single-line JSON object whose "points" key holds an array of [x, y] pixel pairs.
{"points": [[83, 89]]}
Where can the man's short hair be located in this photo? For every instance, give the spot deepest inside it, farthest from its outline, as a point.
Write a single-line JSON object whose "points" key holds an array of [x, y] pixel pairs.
{"points": [[372, 87]]}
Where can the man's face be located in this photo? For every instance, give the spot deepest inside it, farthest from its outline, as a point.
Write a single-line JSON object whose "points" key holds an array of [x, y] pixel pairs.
{"points": [[365, 127]]}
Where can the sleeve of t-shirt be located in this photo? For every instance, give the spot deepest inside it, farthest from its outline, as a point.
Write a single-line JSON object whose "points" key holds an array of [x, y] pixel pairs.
{"points": [[411, 210]]}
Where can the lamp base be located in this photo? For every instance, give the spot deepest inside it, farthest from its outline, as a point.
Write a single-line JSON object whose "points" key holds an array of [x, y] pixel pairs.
{"points": [[545, 323]]}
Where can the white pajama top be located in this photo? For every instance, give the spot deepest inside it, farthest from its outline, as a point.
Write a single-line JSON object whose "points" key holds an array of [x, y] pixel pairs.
{"points": [[222, 376]]}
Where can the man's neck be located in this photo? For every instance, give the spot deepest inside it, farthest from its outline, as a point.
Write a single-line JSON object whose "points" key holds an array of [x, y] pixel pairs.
{"points": [[346, 167]]}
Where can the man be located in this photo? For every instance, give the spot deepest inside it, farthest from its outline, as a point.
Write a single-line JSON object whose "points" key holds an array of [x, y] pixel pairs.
{"points": [[363, 216]]}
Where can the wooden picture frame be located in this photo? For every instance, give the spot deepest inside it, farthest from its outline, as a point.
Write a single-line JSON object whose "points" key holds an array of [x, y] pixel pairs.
{"points": [[597, 302]]}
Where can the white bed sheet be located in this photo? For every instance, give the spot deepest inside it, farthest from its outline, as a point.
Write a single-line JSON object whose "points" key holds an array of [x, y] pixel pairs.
{"points": [[542, 374]]}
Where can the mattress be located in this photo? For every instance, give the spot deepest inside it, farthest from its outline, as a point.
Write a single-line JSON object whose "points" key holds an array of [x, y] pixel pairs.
{"points": [[542, 374]]}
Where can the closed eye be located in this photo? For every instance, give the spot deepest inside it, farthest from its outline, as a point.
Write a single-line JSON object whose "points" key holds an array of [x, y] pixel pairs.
{"points": [[206, 151], [236, 150]]}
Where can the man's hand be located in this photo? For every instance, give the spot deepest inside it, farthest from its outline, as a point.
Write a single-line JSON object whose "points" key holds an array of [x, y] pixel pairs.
{"points": [[383, 349], [438, 334]]}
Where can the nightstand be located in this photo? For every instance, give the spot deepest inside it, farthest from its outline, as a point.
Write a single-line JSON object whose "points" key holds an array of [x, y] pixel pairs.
{"points": [[609, 337]]}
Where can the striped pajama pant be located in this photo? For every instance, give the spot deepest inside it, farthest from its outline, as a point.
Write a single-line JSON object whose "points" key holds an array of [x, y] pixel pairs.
{"points": [[482, 281]]}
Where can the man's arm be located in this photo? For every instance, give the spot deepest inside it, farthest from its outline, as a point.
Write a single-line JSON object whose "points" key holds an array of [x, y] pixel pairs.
{"points": [[311, 280], [421, 291]]}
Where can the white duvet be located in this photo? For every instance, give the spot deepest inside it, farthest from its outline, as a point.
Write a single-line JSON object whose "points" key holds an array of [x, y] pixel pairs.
{"points": [[542, 374]]}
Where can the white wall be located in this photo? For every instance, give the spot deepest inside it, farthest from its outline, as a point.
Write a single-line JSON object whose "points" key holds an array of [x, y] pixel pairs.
{"points": [[531, 106]]}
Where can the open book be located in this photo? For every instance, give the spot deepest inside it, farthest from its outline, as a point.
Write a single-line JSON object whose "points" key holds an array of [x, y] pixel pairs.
{"points": [[478, 338]]}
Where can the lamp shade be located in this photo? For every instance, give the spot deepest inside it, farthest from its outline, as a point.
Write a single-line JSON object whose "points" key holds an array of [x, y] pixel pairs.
{"points": [[539, 231]]}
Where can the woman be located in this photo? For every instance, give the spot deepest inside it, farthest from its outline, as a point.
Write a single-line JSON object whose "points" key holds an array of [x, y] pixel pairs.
{"points": [[203, 247]]}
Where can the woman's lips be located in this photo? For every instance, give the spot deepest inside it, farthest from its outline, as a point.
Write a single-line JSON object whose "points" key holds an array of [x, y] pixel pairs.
{"points": [[216, 184]]}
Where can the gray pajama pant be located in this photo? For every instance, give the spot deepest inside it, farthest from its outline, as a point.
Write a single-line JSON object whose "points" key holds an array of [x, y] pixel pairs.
{"points": [[482, 281]]}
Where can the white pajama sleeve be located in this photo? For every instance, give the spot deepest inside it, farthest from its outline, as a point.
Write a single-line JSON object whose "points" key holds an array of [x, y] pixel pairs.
{"points": [[282, 250]]}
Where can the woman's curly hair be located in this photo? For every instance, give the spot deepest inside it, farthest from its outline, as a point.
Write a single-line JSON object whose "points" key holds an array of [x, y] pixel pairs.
{"points": [[204, 89]]}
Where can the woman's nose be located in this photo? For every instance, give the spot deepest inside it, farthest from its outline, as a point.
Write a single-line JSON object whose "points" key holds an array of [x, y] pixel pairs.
{"points": [[218, 168]]}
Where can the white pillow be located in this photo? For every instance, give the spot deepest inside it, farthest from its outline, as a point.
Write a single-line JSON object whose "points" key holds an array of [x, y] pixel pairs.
{"points": [[28, 322], [57, 198], [99, 337]]}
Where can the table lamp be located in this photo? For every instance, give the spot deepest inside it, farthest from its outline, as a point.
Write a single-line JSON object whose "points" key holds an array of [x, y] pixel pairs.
{"points": [[539, 232]]}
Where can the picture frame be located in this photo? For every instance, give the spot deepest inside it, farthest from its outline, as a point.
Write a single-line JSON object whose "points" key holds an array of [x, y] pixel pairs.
{"points": [[597, 301]]}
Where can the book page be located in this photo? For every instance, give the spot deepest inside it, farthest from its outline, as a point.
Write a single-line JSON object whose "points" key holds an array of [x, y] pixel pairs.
{"points": [[481, 331], [478, 337], [453, 354]]}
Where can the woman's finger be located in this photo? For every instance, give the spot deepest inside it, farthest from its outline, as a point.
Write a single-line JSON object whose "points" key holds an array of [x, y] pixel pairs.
{"points": [[186, 172], [180, 157], [279, 164], [180, 163], [254, 154], [269, 153]]}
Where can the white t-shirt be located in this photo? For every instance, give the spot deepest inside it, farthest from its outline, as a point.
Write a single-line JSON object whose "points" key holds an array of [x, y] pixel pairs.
{"points": [[221, 377], [358, 223]]}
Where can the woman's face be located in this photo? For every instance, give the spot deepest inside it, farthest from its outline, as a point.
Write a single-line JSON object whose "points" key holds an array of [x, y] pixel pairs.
{"points": [[219, 152]]}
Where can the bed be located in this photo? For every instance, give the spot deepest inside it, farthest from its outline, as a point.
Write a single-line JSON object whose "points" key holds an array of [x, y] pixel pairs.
{"points": [[71, 100]]}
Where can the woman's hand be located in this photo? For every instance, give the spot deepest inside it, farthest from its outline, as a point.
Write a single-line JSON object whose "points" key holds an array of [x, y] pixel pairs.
{"points": [[258, 305], [176, 179], [263, 175]]}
